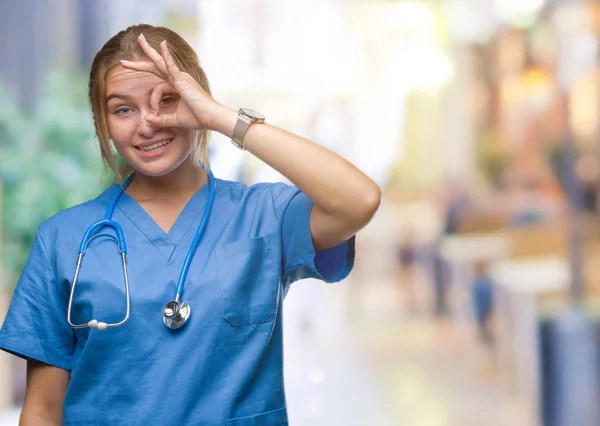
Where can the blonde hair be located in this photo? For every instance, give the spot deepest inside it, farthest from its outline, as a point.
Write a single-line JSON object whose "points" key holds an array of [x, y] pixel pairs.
{"points": [[124, 46]]}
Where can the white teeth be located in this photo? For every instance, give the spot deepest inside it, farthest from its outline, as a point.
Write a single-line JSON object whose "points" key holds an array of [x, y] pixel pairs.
{"points": [[155, 146]]}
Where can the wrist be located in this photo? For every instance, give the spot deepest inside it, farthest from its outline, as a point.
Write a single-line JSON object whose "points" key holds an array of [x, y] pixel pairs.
{"points": [[224, 120]]}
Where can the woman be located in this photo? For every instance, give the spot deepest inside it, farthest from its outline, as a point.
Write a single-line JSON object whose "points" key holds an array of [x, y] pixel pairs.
{"points": [[96, 357]]}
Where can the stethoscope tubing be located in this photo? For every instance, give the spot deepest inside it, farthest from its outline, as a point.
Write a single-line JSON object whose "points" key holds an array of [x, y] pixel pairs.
{"points": [[197, 237], [91, 235]]}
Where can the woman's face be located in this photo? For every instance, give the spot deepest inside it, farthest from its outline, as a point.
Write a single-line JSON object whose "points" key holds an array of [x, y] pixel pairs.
{"points": [[149, 149]]}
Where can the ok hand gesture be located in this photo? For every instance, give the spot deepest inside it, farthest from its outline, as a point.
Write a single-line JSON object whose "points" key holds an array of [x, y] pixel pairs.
{"points": [[196, 109]]}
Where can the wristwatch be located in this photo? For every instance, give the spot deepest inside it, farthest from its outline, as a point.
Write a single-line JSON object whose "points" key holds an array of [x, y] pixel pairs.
{"points": [[246, 117]]}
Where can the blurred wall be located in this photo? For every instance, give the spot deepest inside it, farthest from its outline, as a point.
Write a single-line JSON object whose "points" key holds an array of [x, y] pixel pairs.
{"points": [[40, 34]]}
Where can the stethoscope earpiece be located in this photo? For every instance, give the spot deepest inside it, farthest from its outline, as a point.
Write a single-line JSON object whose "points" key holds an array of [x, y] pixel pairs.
{"points": [[99, 325], [176, 314]]}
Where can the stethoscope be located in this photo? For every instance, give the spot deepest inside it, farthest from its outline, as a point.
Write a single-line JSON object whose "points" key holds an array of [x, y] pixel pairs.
{"points": [[175, 313]]}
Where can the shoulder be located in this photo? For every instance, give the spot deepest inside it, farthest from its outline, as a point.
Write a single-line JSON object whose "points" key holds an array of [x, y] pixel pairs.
{"points": [[269, 200], [256, 193], [77, 216]]}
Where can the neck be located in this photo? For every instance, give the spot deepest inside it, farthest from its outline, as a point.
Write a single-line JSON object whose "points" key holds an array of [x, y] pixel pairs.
{"points": [[184, 181]]}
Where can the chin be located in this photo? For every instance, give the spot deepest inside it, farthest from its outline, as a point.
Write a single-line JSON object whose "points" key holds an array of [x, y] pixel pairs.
{"points": [[159, 168], [154, 171]]}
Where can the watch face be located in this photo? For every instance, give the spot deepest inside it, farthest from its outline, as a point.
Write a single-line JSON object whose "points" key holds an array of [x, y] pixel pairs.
{"points": [[252, 114]]}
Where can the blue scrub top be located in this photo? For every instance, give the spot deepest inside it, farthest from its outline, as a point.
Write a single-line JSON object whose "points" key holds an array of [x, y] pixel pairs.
{"points": [[225, 367]]}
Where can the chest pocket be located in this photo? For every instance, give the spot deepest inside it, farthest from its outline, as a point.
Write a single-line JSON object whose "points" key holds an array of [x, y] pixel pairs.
{"points": [[248, 280]]}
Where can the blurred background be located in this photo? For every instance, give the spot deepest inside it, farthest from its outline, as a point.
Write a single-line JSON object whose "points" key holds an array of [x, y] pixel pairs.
{"points": [[474, 299]]}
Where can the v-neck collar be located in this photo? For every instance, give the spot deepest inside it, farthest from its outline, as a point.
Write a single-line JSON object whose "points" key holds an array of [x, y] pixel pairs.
{"points": [[165, 242]]}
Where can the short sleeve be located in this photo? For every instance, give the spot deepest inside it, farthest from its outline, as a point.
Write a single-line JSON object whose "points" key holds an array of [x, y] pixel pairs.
{"points": [[36, 324], [298, 254]]}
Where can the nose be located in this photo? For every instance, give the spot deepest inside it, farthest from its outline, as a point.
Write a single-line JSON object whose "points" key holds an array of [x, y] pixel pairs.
{"points": [[145, 128]]}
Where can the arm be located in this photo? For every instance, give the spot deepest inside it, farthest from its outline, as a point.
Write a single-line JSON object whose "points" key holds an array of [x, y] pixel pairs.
{"points": [[345, 198], [46, 389]]}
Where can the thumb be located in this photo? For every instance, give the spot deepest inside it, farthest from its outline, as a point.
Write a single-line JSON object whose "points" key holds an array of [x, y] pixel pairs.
{"points": [[162, 120]]}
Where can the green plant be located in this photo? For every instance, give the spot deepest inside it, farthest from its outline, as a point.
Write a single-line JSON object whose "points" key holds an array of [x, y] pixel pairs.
{"points": [[49, 161]]}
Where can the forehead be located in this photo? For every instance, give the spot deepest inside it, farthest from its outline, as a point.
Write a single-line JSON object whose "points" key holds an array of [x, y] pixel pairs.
{"points": [[130, 82]]}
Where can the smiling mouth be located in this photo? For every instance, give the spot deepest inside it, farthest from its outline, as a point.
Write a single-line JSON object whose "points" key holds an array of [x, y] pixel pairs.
{"points": [[155, 146]]}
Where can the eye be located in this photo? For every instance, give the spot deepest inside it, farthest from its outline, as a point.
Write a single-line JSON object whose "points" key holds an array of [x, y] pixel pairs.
{"points": [[167, 100], [123, 111]]}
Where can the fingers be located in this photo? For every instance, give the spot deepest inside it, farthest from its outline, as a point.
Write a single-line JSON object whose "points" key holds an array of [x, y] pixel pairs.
{"points": [[163, 115], [157, 95], [154, 119], [168, 59], [162, 64], [153, 55], [163, 120]]}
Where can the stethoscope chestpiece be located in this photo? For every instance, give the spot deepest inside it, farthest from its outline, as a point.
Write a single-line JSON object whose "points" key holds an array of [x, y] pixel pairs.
{"points": [[176, 314]]}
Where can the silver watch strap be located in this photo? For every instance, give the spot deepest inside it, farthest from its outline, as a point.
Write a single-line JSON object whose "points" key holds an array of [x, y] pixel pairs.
{"points": [[239, 130]]}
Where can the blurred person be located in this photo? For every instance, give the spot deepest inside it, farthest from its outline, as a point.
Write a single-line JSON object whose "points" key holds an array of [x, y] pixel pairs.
{"points": [[455, 201], [482, 297], [95, 356], [407, 259]]}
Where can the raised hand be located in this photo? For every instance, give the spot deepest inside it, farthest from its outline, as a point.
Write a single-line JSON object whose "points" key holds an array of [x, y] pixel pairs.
{"points": [[195, 109]]}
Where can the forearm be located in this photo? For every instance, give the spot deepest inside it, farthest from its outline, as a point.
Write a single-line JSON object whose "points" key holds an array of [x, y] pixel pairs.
{"points": [[45, 395], [336, 186], [33, 417]]}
